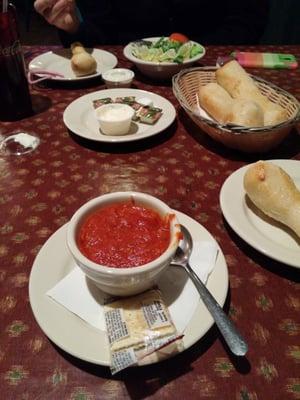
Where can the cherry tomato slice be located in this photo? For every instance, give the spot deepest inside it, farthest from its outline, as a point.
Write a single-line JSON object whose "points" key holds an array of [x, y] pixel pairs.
{"points": [[179, 37]]}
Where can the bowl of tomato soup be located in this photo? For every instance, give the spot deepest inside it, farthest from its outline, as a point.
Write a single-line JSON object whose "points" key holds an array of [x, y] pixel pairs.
{"points": [[123, 241]]}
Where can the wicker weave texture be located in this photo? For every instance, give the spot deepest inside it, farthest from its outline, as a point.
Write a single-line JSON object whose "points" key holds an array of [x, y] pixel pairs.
{"points": [[186, 86]]}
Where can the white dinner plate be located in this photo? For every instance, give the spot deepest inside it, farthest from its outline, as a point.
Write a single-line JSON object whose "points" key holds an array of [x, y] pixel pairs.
{"points": [[83, 341], [80, 118], [60, 61], [261, 232]]}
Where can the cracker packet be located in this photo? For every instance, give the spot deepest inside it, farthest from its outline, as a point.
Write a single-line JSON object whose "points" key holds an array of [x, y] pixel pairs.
{"points": [[140, 330]]}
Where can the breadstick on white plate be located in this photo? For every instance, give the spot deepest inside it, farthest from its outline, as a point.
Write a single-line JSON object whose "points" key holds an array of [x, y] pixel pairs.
{"points": [[274, 192]]}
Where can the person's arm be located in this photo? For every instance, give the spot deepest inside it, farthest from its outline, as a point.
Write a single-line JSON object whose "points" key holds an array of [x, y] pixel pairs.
{"points": [[60, 13], [85, 21], [96, 24]]}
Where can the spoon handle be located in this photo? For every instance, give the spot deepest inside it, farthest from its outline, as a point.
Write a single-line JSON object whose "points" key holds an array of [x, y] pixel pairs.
{"points": [[233, 338]]}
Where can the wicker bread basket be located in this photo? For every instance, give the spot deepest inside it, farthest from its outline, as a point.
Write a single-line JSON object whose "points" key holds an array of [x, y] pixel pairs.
{"points": [[251, 140]]}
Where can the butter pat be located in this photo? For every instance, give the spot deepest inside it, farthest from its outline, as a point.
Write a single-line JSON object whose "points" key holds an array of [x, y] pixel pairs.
{"points": [[145, 101]]}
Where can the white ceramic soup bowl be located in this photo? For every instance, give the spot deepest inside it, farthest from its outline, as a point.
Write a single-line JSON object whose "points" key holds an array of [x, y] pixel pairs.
{"points": [[123, 281]]}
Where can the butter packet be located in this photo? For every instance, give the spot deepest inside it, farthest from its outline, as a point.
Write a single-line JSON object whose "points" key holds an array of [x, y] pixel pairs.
{"points": [[140, 330]]}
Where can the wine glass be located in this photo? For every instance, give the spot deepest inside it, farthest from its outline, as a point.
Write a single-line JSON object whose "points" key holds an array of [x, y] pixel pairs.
{"points": [[18, 143]]}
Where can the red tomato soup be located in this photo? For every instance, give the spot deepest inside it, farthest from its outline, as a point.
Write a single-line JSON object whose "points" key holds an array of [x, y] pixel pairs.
{"points": [[124, 235]]}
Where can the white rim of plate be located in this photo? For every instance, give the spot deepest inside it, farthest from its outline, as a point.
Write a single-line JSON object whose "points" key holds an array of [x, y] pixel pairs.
{"points": [[41, 304], [270, 239], [80, 119], [39, 62]]}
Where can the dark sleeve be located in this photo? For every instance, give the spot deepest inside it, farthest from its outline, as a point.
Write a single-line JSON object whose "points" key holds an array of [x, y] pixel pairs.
{"points": [[244, 23], [84, 35], [227, 22], [95, 26]]}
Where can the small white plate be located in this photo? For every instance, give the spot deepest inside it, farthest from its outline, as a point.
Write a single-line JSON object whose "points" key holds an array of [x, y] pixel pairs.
{"points": [[80, 339], [60, 61], [261, 232], [80, 118]]}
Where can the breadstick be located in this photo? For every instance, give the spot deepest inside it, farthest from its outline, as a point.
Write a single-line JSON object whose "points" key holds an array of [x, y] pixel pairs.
{"points": [[235, 80], [274, 192], [224, 109], [246, 113], [216, 101]]}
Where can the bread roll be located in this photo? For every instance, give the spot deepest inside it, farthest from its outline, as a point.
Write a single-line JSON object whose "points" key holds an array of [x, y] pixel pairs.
{"points": [[216, 101], [77, 48], [82, 62], [224, 109], [246, 113], [235, 80], [274, 114], [274, 192]]}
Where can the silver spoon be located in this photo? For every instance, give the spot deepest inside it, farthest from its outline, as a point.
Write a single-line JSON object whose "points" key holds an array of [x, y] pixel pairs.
{"points": [[233, 338]]}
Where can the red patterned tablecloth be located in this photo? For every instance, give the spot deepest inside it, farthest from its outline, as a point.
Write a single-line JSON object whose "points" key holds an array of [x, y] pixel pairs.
{"points": [[182, 166]]}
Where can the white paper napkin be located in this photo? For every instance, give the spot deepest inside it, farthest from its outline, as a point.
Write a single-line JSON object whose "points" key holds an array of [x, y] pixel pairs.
{"points": [[80, 296]]}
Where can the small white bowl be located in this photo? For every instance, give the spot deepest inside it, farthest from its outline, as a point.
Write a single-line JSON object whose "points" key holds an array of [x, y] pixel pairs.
{"points": [[123, 281], [118, 77], [114, 118], [159, 70]]}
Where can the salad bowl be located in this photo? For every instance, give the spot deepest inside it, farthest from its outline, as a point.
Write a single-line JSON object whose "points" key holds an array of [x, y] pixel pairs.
{"points": [[162, 57]]}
